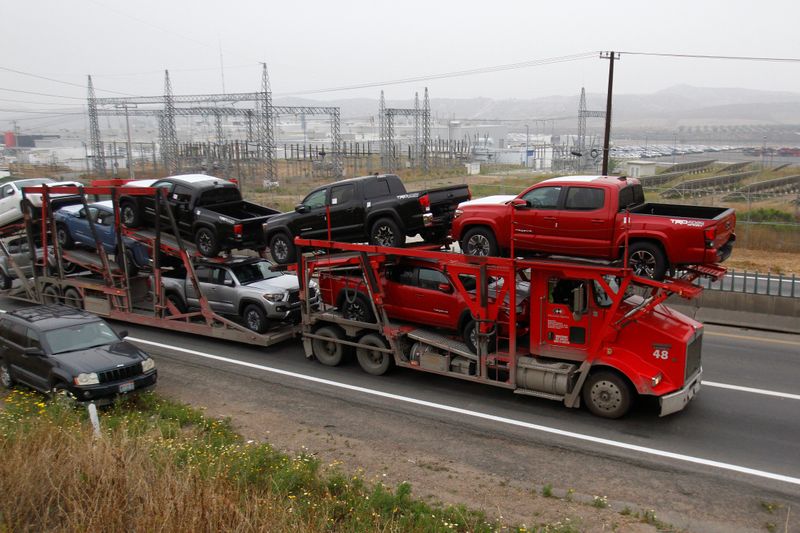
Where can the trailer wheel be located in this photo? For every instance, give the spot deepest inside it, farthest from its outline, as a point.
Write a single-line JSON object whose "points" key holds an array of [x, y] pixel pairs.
{"points": [[282, 249], [385, 232], [647, 260], [254, 318], [607, 394], [479, 241], [373, 362], [64, 237], [207, 242], [328, 352], [131, 218], [50, 295], [5, 281], [72, 298], [357, 307]]}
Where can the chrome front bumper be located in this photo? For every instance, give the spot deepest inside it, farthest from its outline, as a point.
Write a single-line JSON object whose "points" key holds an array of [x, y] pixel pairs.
{"points": [[677, 401]]}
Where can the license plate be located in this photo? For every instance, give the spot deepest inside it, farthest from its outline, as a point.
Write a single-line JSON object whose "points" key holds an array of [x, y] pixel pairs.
{"points": [[126, 387]]}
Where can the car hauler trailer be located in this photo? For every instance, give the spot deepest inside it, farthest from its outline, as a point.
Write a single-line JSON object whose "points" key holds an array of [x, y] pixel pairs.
{"points": [[106, 287], [597, 333]]}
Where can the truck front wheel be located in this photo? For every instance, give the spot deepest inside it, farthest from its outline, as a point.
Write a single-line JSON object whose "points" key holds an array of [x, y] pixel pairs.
{"points": [[607, 394], [207, 242], [479, 241], [385, 232], [64, 237], [647, 260], [282, 249], [130, 215], [254, 318], [356, 307]]}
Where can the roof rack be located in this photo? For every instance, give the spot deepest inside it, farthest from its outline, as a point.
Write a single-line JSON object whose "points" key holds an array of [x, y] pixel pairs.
{"points": [[46, 312]]}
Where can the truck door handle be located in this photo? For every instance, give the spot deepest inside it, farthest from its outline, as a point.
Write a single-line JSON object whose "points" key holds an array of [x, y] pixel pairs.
{"points": [[550, 218], [597, 221]]}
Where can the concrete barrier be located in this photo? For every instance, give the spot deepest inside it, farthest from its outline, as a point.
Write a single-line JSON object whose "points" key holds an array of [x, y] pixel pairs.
{"points": [[756, 311]]}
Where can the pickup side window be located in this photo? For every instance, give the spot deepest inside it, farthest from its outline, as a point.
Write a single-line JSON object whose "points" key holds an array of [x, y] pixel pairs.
{"points": [[17, 334], [104, 218], [630, 196], [376, 188], [403, 274], [342, 194], [203, 274], [8, 190], [431, 279], [32, 339], [584, 198], [543, 197], [181, 194], [316, 199]]}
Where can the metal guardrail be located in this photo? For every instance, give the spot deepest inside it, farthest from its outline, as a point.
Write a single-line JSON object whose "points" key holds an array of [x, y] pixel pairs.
{"points": [[773, 187], [705, 186], [755, 283]]}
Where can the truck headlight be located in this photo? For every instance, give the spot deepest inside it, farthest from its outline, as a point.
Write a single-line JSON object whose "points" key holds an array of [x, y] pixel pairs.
{"points": [[458, 213], [274, 297], [148, 364], [87, 379], [655, 380]]}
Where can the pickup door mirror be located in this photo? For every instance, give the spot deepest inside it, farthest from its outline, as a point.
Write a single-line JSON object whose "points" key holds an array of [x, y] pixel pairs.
{"points": [[301, 208], [445, 287], [37, 351], [519, 203], [122, 334], [229, 283]]}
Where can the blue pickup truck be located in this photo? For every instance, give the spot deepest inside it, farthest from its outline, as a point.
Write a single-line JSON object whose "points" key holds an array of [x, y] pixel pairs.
{"points": [[72, 228]]}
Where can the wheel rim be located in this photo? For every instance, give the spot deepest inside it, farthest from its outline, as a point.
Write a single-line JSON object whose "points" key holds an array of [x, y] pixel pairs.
{"points": [[204, 241], [643, 263], [328, 348], [478, 245], [280, 249], [374, 357], [384, 236], [356, 311], [473, 336], [128, 215], [61, 235], [253, 320], [5, 376], [606, 396]]}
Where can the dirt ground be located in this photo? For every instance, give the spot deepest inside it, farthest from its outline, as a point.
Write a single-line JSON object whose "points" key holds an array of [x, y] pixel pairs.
{"points": [[505, 475], [761, 261]]}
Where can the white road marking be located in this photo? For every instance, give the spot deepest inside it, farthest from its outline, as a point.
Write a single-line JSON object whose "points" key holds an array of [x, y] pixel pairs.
{"points": [[494, 418], [750, 389]]}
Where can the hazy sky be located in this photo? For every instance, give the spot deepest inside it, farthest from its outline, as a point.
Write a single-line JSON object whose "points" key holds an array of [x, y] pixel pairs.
{"points": [[312, 44]]}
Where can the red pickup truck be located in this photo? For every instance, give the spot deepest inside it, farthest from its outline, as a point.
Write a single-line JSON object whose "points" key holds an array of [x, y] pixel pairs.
{"points": [[421, 292], [589, 216]]}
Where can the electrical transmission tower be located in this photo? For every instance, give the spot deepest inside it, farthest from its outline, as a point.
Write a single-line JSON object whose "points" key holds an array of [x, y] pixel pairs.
{"points": [[422, 119], [98, 161], [583, 114], [266, 139]]}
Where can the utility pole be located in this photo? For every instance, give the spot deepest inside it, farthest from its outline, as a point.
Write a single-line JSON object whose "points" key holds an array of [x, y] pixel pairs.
{"points": [[611, 56], [129, 147]]}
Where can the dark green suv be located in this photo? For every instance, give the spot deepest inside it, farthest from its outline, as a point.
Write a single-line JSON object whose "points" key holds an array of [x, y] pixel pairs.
{"points": [[55, 347]]}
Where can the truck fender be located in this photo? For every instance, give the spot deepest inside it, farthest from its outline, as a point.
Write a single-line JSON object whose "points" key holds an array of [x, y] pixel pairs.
{"points": [[59, 375], [638, 377], [657, 238], [244, 302], [271, 232], [386, 213], [502, 240]]}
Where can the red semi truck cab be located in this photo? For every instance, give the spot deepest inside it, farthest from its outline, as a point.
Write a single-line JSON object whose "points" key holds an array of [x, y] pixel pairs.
{"points": [[592, 216]]}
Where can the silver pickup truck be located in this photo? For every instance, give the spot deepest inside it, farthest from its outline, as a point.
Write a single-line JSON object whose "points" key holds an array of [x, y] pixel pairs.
{"points": [[243, 287]]}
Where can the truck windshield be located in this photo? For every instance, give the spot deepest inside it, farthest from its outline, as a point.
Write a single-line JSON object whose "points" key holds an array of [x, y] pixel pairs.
{"points": [[220, 195], [253, 272], [80, 337]]}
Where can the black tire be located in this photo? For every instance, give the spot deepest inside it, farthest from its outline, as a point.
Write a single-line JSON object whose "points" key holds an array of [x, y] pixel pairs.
{"points": [[5, 281], [373, 362], [130, 263], [68, 268], [647, 260], [6, 381], [328, 352], [72, 298], [59, 390], [479, 241], [254, 318], [356, 307], [50, 295], [469, 333], [282, 249], [177, 302], [207, 242], [64, 237], [607, 394], [386, 232], [129, 214]]}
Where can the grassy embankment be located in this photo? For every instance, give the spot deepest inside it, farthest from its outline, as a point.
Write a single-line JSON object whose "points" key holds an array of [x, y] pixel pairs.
{"points": [[161, 466]]}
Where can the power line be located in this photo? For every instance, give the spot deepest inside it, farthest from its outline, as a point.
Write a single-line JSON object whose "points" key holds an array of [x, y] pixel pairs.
{"points": [[37, 112], [41, 94], [705, 56], [60, 81], [31, 102], [454, 74]]}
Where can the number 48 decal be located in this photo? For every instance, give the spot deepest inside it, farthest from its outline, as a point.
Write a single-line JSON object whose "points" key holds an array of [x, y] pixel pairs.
{"points": [[661, 354]]}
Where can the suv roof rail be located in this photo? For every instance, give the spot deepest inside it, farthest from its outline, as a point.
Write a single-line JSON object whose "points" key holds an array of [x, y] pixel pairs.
{"points": [[44, 312]]}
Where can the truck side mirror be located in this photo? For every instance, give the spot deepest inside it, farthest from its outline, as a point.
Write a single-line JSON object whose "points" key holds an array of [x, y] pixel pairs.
{"points": [[578, 301], [301, 208], [519, 203], [445, 287]]}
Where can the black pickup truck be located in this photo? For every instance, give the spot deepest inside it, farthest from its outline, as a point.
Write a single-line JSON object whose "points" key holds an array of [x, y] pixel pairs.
{"points": [[374, 208], [208, 210]]}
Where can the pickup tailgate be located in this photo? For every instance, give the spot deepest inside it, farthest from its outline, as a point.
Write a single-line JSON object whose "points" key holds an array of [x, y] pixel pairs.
{"points": [[442, 201]]}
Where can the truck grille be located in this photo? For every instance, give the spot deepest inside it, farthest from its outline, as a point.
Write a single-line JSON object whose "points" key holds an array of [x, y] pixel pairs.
{"points": [[120, 373], [294, 296], [693, 356]]}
